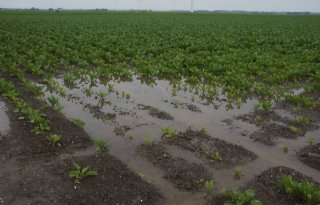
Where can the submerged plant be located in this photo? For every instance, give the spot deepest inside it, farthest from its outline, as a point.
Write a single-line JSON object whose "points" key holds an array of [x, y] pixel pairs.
{"points": [[101, 95], [285, 148], [148, 141], [237, 173], [80, 173], [102, 145], [79, 123], [311, 140], [55, 103], [167, 132]]}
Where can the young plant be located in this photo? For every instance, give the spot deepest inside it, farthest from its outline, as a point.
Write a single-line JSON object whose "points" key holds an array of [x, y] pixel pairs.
{"points": [[102, 145], [204, 130], [217, 157], [302, 120], [293, 129], [311, 140], [305, 191], [54, 139], [55, 103], [80, 173], [237, 173], [236, 197], [79, 123], [101, 95], [167, 132], [209, 186], [148, 141], [285, 148]]}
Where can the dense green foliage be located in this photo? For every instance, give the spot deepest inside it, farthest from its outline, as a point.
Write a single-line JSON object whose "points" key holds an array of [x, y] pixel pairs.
{"points": [[242, 54], [305, 191]]}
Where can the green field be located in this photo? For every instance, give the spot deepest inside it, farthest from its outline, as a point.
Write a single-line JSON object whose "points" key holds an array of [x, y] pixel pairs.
{"points": [[133, 80]]}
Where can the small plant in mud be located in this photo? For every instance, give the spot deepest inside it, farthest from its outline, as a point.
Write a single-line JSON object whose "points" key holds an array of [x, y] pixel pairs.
{"points": [[193, 98], [102, 145], [69, 80], [80, 173], [209, 186], [204, 130], [54, 139], [302, 120], [311, 140], [175, 103], [305, 191], [148, 141], [55, 103], [101, 95], [299, 100], [293, 129], [110, 88], [236, 197], [167, 132], [265, 106], [237, 172], [217, 156], [79, 123], [128, 96], [88, 91], [285, 148]]}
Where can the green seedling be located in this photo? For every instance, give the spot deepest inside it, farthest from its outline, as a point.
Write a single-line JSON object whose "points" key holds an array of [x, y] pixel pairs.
{"points": [[55, 103], [128, 96], [204, 130], [167, 132], [285, 148], [209, 186], [54, 139], [193, 98], [306, 191], [237, 173], [88, 91], [102, 145], [79, 123], [80, 173], [148, 141], [236, 197], [293, 129], [311, 140], [265, 106], [217, 156], [302, 120], [101, 95]]}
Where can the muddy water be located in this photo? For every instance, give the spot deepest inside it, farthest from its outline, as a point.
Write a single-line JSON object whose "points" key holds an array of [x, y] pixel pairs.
{"points": [[125, 100], [4, 120]]}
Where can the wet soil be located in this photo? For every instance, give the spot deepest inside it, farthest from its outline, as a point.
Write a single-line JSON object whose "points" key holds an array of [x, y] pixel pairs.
{"points": [[310, 155], [266, 187], [273, 126], [184, 175], [32, 171], [154, 112], [206, 147]]}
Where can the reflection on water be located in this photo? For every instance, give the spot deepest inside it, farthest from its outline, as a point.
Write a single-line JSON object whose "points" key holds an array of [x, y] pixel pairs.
{"points": [[4, 120]]}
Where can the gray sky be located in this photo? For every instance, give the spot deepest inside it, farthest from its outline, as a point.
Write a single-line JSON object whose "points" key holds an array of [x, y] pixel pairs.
{"points": [[257, 5]]}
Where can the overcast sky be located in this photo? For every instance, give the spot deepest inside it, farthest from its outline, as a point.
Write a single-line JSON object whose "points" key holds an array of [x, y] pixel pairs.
{"points": [[256, 5]]}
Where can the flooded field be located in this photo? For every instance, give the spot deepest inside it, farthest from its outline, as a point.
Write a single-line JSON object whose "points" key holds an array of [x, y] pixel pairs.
{"points": [[126, 123], [131, 115]]}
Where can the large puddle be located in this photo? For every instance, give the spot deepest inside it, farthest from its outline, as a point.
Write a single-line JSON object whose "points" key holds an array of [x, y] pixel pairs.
{"points": [[123, 118], [4, 120]]}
